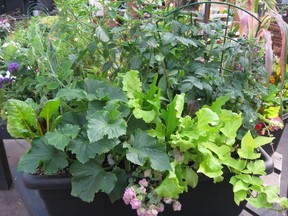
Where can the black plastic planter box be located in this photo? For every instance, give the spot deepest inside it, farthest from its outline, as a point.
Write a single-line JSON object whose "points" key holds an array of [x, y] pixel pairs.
{"points": [[205, 200]]}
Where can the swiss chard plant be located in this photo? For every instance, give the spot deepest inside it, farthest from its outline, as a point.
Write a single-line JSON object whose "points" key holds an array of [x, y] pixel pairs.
{"points": [[104, 134]]}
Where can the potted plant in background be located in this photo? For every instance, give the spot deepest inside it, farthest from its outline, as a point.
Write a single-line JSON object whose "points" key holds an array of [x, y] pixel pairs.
{"points": [[140, 113]]}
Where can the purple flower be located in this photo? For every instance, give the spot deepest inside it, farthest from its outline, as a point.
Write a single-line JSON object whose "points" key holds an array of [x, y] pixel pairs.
{"points": [[13, 67], [128, 195], [6, 80]]}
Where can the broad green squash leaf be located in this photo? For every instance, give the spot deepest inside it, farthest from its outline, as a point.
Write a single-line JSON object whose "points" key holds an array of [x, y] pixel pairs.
{"points": [[63, 136], [146, 148], [22, 120], [90, 178], [248, 147], [102, 34], [70, 94], [262, 140], [51, 159], [170, 188], [121, 184], [98, 89], [101, 125], [85, 150], [50, 108], [173, 113]]}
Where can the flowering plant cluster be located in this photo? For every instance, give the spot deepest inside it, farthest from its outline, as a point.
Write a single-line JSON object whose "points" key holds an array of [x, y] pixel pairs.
{"points": [[137, 111]]}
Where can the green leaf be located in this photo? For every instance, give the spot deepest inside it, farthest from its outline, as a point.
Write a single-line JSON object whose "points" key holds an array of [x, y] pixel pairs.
{"points": [[70, 94], [50, 158], [100, 125], [259, 201], [52, 85], [220, 151], [22, 120], [236, 164], [146, 148], [50, 109], [262, 140], [102, 34], [90, 178], [186, 41], [101, 89], [63, 136], [173, 113], [85, 150], [107, 66], [240, 185], [92, 47], [257, 167], [191, 177], [247, 150], [148, 116], [232, 125], [135, 62], [207, 118], [170, 188], [219, 102], [121, 184], [240, 196], [211, 167], [132, 84]]}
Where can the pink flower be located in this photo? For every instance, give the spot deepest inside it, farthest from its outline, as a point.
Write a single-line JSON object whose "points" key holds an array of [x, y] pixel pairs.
{"points": [[160, 207], [143, 189], [167, 200], [147, 173], [135, 203], [151, 212], [143, 182], [141, 212], [177, 206], [128, 195]]}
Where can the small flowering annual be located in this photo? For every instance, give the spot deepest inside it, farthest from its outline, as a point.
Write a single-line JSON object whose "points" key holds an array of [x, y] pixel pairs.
{"points": [[142, 197], [13, 67]]}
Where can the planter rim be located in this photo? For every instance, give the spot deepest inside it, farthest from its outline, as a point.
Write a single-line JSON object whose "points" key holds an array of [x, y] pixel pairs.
{"points": [[43, 182]]}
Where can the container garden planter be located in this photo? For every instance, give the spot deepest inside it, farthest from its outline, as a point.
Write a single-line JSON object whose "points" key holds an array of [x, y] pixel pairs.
{"points": [[55, 192], [143, 100]]}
